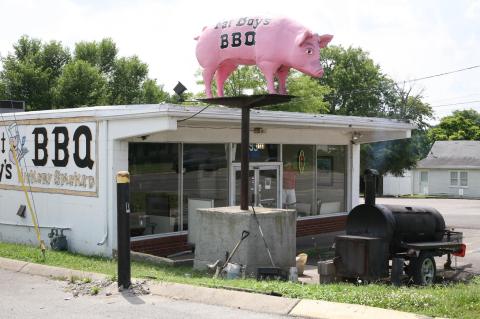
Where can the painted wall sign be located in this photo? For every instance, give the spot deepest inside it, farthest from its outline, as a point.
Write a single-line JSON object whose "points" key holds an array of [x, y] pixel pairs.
{"points": [[54, 158]]}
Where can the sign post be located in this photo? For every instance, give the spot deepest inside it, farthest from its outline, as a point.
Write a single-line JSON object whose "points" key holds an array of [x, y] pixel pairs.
{"points": [[123, 230], [246, 103]]}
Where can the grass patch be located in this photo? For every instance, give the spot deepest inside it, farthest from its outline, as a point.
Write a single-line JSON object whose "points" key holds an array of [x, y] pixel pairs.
{"points": [[452, 300]]}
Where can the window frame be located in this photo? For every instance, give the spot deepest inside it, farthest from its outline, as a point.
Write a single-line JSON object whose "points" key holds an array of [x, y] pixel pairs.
{"points": [[458, 179]]}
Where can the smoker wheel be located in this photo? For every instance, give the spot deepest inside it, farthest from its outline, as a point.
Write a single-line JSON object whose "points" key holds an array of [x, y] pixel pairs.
{"points": [[423, 269]]}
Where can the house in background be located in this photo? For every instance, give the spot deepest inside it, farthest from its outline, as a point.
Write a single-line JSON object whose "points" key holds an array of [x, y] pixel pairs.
{"points": [[450, 168]]}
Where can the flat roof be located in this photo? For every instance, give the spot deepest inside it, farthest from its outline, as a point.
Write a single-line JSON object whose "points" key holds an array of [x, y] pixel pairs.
{"points": [[215, 113]]}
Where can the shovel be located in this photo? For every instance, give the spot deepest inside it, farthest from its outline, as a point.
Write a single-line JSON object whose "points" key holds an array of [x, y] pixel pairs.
{"points": [[219, 269]]}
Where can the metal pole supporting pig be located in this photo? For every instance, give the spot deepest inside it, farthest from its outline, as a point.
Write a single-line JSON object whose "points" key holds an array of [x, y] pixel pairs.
{"points": [[274, 45]]}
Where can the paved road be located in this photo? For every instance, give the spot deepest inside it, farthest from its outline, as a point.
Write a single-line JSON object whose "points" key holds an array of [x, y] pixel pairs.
{"points": [[26, 296], [461, 214]]}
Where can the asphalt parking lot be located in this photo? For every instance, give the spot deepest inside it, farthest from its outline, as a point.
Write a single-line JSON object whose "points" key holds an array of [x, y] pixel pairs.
{"points": [[462, 215]]}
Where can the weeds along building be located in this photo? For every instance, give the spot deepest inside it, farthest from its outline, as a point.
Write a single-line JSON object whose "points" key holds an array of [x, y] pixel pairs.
{"points": [[70, 158]]}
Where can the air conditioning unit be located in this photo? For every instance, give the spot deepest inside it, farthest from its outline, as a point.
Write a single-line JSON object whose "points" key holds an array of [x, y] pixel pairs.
{"points": [[7, 106]]}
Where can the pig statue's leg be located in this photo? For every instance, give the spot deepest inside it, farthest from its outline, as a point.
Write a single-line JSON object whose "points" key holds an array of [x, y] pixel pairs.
{"points": [[207, 79], [282, 75], [269, 69], [222, 75]]}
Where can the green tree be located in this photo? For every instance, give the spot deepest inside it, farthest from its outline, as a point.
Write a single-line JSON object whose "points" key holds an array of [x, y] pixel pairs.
{"points": [[461, 125], [244, 78], [80, 84], [359, 88], [309, 95], [101, 54], [398, 155], [127, 78], [153, 93], [31, 71], [357, 84], [45, 75], [3, 90]]}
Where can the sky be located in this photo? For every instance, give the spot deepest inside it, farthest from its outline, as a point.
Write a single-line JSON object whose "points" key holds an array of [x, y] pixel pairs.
{"points": [[409, 39]]}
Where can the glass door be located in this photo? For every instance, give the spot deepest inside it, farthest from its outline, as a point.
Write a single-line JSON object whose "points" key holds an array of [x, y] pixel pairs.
{"points": [[264, 184]]}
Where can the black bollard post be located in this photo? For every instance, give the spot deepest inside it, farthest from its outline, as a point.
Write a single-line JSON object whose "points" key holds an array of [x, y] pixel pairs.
{"points": [[123, 230]]}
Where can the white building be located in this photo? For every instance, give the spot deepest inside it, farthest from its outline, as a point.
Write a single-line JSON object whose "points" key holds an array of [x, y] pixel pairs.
{"points": [[71, 157], [398, 185], [451, 168]]}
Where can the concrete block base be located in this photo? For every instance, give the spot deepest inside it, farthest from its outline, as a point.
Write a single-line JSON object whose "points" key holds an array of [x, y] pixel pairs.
{"points": [[219, 230]]}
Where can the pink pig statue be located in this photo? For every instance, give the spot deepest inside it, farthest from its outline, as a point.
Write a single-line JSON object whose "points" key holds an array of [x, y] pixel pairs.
{"points": [[274, 45]]}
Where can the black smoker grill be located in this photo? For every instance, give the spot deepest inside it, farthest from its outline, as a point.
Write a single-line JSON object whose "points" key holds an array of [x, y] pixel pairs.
{"points": [[409, 236]]}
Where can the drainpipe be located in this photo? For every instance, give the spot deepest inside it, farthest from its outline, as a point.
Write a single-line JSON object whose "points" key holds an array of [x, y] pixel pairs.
{"points": [[105, 181]]}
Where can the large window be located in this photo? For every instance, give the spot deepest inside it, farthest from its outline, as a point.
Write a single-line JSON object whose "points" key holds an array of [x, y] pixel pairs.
{"points": [[314, 179], [331, 178], [169, 181], [153, 188], [299, 179], [458, 178], [205, 177]]}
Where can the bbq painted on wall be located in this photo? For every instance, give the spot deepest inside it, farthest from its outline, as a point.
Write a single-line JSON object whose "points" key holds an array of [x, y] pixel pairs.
{"points": [[54, 157]]}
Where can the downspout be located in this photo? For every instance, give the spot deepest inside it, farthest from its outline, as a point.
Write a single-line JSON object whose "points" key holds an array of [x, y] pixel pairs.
{"points": [[105, 182]]}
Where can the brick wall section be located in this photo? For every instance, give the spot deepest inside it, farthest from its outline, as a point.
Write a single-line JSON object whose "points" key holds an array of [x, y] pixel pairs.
{"points": [[165, 246], [315, 226], [162, 246]]}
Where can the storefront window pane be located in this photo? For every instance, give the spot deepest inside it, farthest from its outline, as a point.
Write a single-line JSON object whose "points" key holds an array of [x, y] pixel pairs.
{"points": [[331, 178], [258, 152], [299, 178], [153, 188], [205, 177]]}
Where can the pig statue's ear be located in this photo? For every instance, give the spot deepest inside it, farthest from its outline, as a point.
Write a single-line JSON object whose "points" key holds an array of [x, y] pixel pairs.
{"points": [[323, 40], [302, 37]]}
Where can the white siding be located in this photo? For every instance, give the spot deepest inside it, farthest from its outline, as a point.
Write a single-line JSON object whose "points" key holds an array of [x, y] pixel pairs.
{"points": [[86, 216], [396, 186], [439, 183]]}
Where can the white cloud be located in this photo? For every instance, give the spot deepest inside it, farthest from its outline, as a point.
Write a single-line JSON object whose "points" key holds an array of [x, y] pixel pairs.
{"points": [[408, 38]]}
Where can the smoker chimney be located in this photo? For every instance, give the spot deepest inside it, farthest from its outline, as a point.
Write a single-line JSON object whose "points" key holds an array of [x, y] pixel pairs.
{"points": [[370, 178]]}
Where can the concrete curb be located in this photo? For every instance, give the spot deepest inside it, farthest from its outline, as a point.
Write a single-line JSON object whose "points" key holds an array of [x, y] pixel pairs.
{"points": [[47, 271], [228, 298], [327, 309]]}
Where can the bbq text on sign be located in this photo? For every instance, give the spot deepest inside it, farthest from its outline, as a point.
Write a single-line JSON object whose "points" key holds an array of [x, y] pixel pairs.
{"points": [[236, 39], [59, 158]]}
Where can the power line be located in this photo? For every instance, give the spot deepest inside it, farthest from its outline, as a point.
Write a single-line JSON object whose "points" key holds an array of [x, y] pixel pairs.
{"points": [[195, 114], [377, 89], [454, 98], [441, 74], [452, 104]]}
